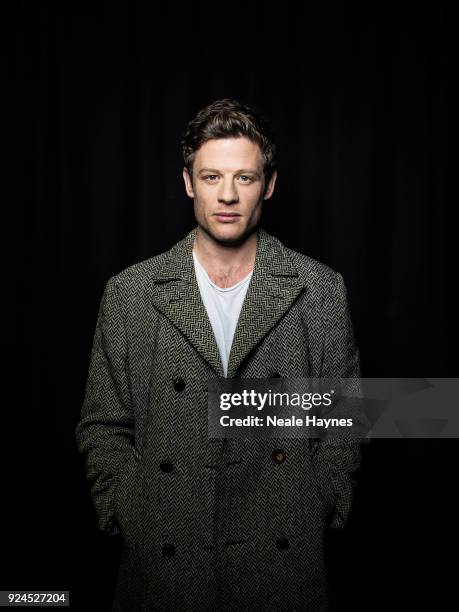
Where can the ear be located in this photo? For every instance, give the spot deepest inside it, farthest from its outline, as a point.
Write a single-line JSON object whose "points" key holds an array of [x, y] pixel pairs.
{"points": [[188, 182], [270, 187]]}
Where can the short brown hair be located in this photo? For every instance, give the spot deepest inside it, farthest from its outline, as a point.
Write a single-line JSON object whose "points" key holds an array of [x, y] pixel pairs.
{"points": [[229, 118]]}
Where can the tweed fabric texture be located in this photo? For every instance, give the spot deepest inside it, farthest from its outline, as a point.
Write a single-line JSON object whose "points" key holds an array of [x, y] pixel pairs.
{"points": [[211, 524]]}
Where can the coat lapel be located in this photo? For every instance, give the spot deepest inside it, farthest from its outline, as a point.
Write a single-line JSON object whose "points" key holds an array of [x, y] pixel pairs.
{"points": [[274, 286], [176, 294]]}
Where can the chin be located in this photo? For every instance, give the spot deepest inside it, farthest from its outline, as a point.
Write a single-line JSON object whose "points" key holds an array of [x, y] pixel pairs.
{"points": [[229, 235]]}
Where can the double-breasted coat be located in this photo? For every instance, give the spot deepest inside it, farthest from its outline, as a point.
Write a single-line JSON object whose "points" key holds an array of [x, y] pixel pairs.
{"points": [[212, 524]]}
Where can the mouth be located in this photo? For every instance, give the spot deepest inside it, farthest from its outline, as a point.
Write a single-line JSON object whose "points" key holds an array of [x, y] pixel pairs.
{"points": [[227, 217]]}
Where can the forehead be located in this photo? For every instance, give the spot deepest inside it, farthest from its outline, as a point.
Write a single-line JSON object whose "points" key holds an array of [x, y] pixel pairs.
{"points": [[229, 153]]}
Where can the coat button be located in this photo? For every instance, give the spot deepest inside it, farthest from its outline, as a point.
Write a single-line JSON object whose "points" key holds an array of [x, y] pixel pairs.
{"points": [[166, 465], [168, 550], [275, 375], [179, 384], [282, 543], [278, 455]]}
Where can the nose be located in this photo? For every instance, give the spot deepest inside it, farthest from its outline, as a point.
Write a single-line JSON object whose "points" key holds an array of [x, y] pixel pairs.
{"points": [[228, 193]]}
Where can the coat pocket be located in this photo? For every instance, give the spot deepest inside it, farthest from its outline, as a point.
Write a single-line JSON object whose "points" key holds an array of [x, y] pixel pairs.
{"points": [[323, 486], [125, 496]]}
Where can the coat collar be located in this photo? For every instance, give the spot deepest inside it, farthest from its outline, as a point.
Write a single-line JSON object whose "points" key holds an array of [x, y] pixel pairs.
{"points": [[274, 285]]}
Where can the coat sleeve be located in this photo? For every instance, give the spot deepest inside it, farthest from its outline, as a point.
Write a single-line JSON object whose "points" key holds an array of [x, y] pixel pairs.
{"points": [[105, 433], [337, 459]]}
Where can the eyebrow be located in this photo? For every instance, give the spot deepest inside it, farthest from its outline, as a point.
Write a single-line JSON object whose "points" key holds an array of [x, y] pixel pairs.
{"points": [[246, 170]]}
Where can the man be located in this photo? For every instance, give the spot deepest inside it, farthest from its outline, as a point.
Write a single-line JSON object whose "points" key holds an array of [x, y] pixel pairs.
{"points": [[210, 524]]}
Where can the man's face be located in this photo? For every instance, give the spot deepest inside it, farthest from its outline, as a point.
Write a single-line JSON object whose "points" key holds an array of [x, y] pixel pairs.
{"points": [[228, 188]]}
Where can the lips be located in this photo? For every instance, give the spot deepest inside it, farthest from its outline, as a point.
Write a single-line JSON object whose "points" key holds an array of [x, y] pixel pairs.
{"points": [[227, 217]]}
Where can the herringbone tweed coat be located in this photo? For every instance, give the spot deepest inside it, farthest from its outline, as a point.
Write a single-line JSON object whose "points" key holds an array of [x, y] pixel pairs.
{"points": [[210, 524]]}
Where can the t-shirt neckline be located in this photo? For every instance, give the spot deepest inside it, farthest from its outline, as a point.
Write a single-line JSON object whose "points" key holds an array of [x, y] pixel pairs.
{"points": [[222, 289]]}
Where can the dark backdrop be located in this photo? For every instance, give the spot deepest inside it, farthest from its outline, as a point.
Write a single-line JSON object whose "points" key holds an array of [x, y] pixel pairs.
{"points": [[99, 101]]}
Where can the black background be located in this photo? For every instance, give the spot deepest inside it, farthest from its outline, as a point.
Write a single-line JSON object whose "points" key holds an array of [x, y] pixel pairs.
{"points": [[98, 101]]}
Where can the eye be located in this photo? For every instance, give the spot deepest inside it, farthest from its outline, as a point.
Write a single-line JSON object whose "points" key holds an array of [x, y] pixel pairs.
{"points": [[249, 179], [210, 176]]}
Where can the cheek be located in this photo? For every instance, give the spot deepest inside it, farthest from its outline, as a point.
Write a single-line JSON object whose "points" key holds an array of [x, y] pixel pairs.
{"points": [[255, 195], [256, 199], [205, 197], [200, 205], [197, 205]]}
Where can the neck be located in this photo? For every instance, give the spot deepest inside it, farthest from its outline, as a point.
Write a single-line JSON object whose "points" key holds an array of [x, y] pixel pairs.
{"points": [[225, 264]]}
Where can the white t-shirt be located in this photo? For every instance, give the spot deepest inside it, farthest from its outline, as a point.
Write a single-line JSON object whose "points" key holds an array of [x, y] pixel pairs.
{"points": [[223, 307]]}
